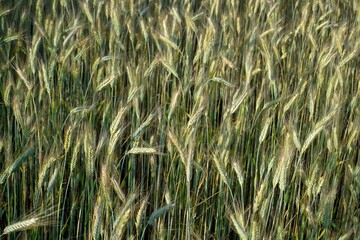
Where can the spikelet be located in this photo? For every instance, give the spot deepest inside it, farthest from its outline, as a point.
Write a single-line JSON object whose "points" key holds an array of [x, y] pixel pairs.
{"points": [[103, 138], [106, 82], [196, 116], [140, 213], [168, 199], [284, 162], [7, 96], [96, 219], [221, 170], [189, 22], [169, 42], [22, 225], [265, 208], [174, 100], [142, 150], [295, 138], [117, 120], [123, 217], [351, 138], [222, 81], [117, 189], [255, 230], [4, 175], [113, 140], [143, 126], [237, 226], [144, 31], [33, 50], [227, 62], [265, 129], [290, 102], [324, 121], [67, 138], [17, 111], [238, 171], [189, 162], [44, 171], [52, 180], [120, 227], [170, 68], [74, 156], [310, 138], [346, 235], [176, 144], [87, 12], [45, 79], [311, 105], [310, 182], [260, 195], [104, 180], [89, 150], [351, 55], [23, 77], [237, 100], [151, 67]]}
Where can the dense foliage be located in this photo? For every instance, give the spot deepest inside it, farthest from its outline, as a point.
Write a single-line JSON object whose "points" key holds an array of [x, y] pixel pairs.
{"points": [[179, 119]]}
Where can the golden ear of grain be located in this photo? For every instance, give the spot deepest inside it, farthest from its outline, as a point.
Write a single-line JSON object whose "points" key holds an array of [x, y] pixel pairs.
{"points": [[176, 144], [143, 126], [142, 150], [67, 138], [168, 42], [237, 100], [284, 162], [265, 129], [310, 138], [21, 226], [74, 156], [196, 116], [222, 81], [117, 120], [7, 98], [52, 180], [260, 195], [106, 82], [117, 189], [239, 172], [104, 179], [23, 77], [140, 213], [97, 218], [122, 223], [89, 152], [174, 100], [237, 226], [4, 175], [44, 171], [170, 68], [221, 169], [189, 162], [113, 140]]}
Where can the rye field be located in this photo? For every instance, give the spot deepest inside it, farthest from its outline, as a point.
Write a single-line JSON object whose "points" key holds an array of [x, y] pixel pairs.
{"points": [[179, 119]]}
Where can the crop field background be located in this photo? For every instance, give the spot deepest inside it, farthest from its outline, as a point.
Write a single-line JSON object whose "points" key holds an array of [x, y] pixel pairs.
{"points": [[178, 119]]}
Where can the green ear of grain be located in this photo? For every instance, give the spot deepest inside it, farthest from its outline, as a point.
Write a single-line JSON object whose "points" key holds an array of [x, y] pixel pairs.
{"points": [[159, 212]]}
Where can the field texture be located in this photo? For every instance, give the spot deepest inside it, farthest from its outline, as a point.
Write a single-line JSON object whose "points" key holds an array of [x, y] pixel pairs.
{"points": [[178, 119]]}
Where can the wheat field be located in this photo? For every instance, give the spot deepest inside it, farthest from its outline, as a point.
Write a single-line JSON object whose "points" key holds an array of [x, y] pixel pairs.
{"points": [[179, 119]]}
